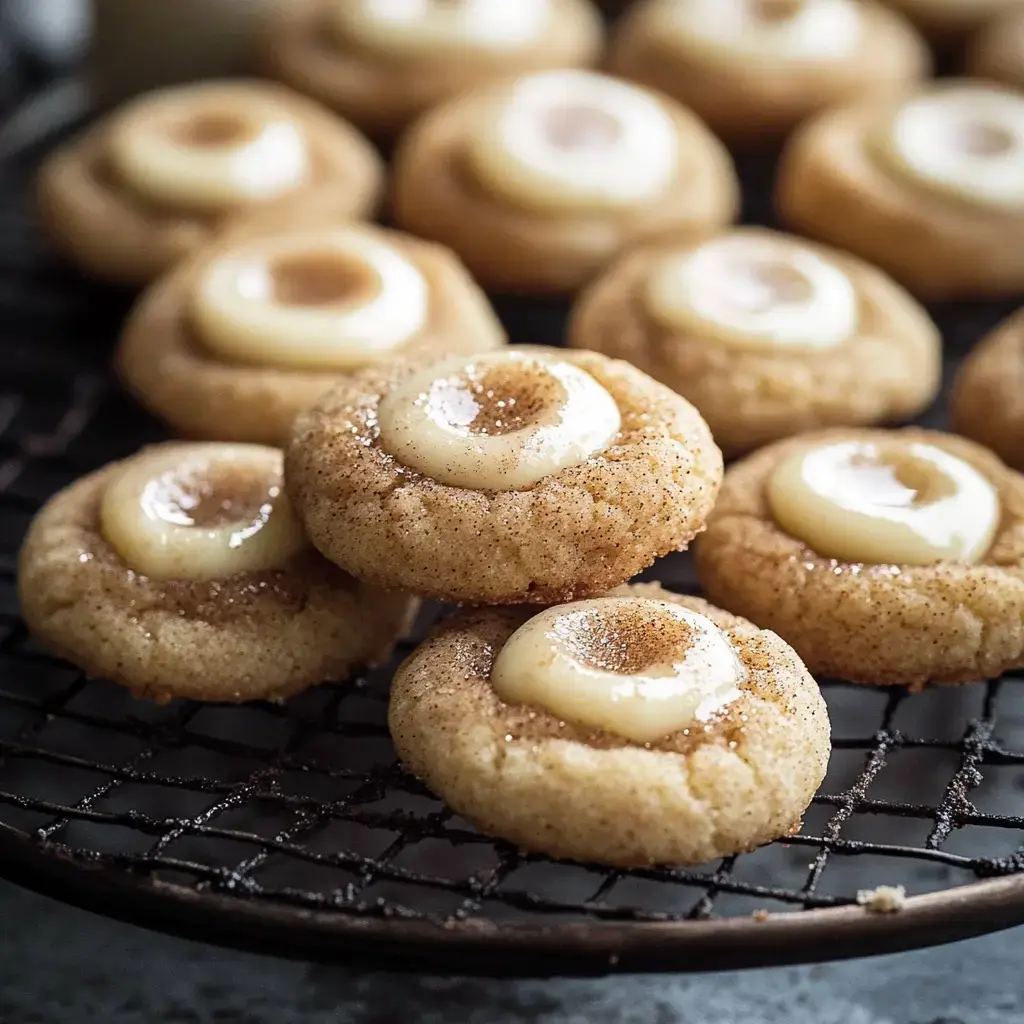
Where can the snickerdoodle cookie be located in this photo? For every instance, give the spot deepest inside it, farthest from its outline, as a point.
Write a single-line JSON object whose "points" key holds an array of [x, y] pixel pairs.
{"points": [[381, 64], [641, 727], [929, 187], [183, 572], [536, 183], [232, 343], [890, 557], [997, 51], [987, 403], [767, 335], [531, 474], [754, 69], [948, 21], [156, 179]]}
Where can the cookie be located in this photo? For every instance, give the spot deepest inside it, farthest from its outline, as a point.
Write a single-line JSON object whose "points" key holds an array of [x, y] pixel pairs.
{"points": [[948, 21], [755, 69], [381, 65], [996, 51], [929, 187], [183, 572], [888, 557], [767, 335], [155, 180], [234, 342], [528, 475], [538, 182], [642, 727], [987, 404]]}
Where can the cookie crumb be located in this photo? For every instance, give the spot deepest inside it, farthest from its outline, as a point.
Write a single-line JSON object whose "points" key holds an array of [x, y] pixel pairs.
{"points": [[760, 915], [886, 899]]}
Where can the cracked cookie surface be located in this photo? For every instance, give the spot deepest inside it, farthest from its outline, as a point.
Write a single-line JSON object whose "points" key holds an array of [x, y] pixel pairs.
{"points": [[886, 624], [164, 360], [754, 389], [255, 635], [728, 784], [578, 531]]}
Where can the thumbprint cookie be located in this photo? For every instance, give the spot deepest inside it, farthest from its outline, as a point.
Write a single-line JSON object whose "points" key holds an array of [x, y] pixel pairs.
{"points": [[997, 51], [888, 557], [183, 572], [154, 180], [767, 335], [525, 475], [537, 182], [929, 187], [381, 63], [754, 69], [987, 404], [233, 342], [949, 21], [640, 727]]}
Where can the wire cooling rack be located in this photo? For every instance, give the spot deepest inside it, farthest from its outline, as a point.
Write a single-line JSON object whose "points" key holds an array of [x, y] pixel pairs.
{"points": [[292, 827]]}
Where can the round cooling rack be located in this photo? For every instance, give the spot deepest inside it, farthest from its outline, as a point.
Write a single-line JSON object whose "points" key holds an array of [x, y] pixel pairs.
{"points": [[292, 828]]}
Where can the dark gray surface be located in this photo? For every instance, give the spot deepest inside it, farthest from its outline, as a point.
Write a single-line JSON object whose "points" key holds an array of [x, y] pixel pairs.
{"points": [[64, 966]]}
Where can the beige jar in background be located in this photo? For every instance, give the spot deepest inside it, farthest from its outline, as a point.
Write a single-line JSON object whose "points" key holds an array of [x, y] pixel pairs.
{"points": [[141, 44]]}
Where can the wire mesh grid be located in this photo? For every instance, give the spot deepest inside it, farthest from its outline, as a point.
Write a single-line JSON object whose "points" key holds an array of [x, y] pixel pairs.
{"points": [[271, 817]]}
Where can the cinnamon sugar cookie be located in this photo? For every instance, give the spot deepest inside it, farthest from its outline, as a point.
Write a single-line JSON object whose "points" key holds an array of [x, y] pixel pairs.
{"points": [[691, 733], [254, 327], [947, 21], [929, 187], [888, 557], [182, 572], [382, 64], [766, 334], [997, 50], [537, 182], [530, 475], [987, 403], [754, 69], [156, 179]]}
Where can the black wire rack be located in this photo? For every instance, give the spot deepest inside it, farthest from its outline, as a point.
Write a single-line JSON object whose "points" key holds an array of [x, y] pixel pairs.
{"points": [[293, 828]]}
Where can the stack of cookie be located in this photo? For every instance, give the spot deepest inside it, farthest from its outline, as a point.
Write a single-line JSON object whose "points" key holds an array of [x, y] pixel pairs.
{"points": [[425, 458]]}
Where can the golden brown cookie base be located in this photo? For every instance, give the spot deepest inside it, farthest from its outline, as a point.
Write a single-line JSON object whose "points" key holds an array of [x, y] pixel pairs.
{"points": [[889, 370], [831, 188], [518, 772], [255, 636], [948, 21], [166, 367], [113, 234], [510, 248], [384, 95], [576, 533], [750, 101], [876, 624], [987, 404], [997, 51]]}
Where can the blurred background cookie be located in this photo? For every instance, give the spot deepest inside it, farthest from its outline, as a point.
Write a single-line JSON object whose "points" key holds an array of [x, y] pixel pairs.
{"points": [[232, 344], [381, 64], [883, 557], [950, 21], [754, 69], [182, 572], [928, 187], [767, 335], [538, 182], [987, 403], [529, 475], [147, 185], [510, 717], [996, 51]]}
